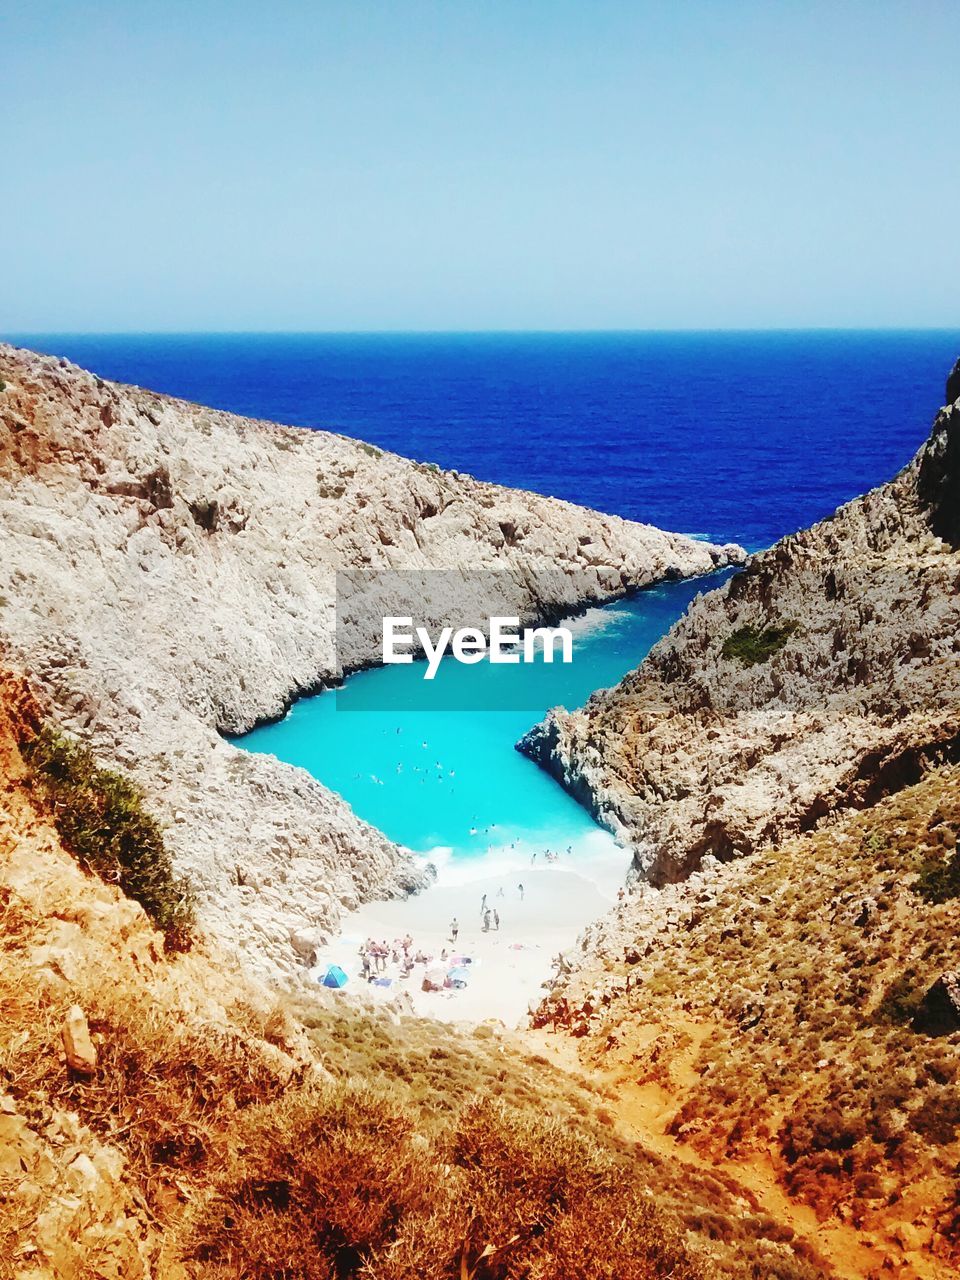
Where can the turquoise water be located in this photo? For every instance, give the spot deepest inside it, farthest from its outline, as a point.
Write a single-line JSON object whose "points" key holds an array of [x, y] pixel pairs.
{"points": [[740, 436], [450, 784]]}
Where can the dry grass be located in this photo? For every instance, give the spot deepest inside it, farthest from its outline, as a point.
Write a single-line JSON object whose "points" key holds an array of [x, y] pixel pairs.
{"points": [[337, 1182], [285, 1141], [258, 1168], [253, 1154], [436, 1067], [391, 1148], [806, 966], [434, 1071]]}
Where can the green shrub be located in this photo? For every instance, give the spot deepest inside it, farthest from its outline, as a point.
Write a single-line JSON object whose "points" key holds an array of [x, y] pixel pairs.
{"points": [[751, 645], [101, 820], [371, 450], [900, 1002], [938, 879], [3, 385], [938, 1118]]}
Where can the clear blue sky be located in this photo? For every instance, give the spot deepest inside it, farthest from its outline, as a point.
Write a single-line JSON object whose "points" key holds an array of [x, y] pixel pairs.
{"points": [[510, 164]]}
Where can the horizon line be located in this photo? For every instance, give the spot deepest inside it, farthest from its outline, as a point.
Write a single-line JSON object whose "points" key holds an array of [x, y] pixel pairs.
{"points": [[9, 334]]}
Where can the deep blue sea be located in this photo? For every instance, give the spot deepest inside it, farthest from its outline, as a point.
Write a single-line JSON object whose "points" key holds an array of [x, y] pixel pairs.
{"points": [[742, 436], [739, 437]]}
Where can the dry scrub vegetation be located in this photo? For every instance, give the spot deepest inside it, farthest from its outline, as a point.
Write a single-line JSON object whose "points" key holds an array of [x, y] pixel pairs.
{"points": [[225, 1132], [366, 1146], [249, 1161], [789, 986]]}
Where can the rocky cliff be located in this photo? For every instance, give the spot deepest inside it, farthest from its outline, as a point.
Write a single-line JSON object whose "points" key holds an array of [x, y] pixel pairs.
{"points": [[167, 575], [825, 675]]}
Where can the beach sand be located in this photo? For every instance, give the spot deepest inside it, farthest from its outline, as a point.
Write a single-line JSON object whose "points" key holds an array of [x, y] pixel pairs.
{"points": [[508, 966]]}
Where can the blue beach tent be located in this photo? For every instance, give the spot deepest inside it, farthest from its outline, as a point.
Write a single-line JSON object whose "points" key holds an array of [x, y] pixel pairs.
{"points": [[334, 977]]}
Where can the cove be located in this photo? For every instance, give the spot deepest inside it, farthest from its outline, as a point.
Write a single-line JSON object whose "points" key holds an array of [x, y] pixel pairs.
{"points": [[449, 784]]}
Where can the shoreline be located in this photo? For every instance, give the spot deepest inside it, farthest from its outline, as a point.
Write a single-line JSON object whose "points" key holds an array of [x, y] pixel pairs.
{"points": [[548, 615], [196, 502], [510, 966]]}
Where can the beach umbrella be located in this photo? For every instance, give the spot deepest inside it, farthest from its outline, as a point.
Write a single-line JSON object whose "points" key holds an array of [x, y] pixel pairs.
{"points": [[334, 977]]}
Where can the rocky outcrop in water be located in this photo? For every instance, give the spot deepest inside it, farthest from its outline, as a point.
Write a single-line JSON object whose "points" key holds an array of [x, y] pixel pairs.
{"points": [[825, 675], [167, 575]]}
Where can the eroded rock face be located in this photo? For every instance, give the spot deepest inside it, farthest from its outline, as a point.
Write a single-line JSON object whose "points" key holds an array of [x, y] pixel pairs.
{"points": [[699, 753], [167, 575]]}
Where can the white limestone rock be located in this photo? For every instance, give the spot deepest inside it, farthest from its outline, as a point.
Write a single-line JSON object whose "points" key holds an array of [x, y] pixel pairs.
{"points": [[167, 575]]}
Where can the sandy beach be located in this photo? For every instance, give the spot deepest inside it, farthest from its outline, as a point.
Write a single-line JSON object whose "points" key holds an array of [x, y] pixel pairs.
{"points": [[507, 966]]}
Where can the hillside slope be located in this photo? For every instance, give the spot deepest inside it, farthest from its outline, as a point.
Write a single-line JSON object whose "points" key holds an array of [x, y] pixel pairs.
{"points": [[794, 1018], [785, 1006], [193, 1126], [826, 674], [167, 574]]}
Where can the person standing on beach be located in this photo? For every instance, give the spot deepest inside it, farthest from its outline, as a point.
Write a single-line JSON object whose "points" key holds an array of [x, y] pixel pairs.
{"points": [[520, 887], [486, 920], [483, 904], [496, 919], [454, 929]]}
